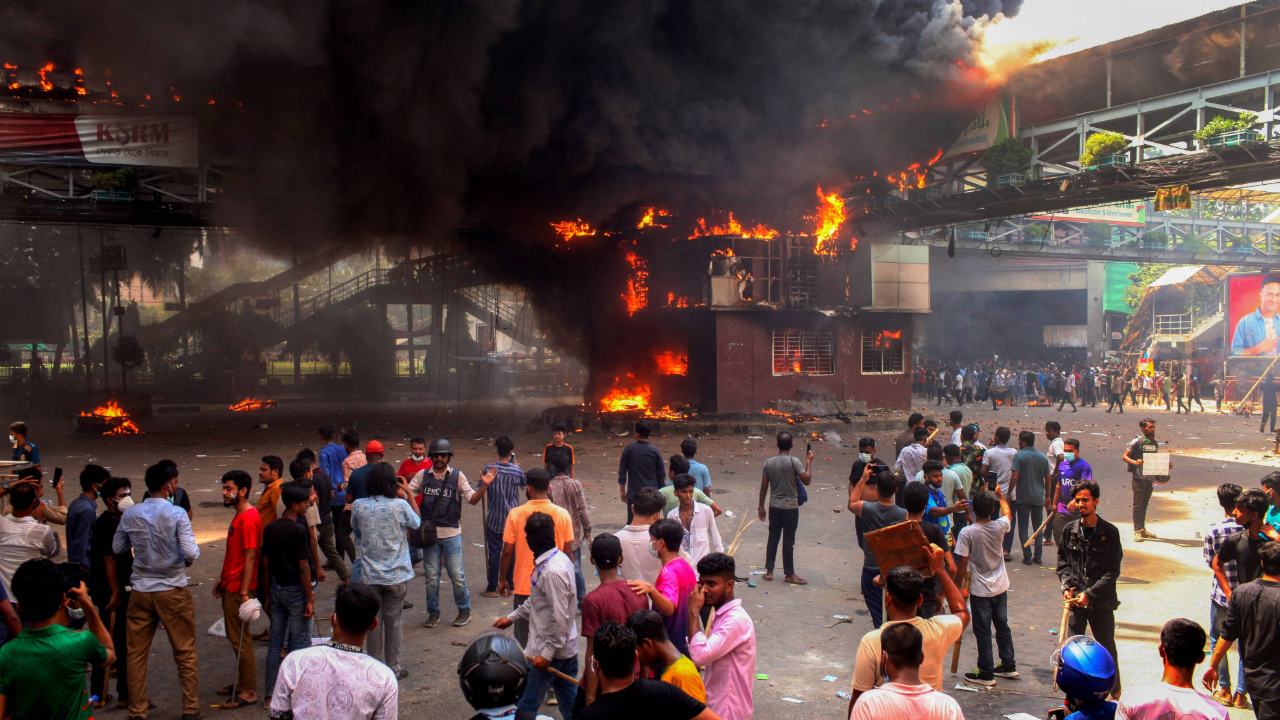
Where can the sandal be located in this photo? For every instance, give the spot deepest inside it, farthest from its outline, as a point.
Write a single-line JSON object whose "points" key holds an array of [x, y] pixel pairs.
{"points": [[768, 576], [226, 690], [796, 580], [103, 702], [237, 702]]}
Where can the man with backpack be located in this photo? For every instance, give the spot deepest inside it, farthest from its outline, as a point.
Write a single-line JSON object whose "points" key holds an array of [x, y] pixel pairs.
{"points": [[441, 490], [782, 484]]}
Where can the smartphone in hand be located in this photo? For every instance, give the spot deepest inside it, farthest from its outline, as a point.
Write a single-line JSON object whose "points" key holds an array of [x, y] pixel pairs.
{"points": [[57, 477]]}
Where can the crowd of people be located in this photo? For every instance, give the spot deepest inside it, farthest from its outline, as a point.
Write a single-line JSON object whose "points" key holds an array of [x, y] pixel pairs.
{"points": [[664, 634]]}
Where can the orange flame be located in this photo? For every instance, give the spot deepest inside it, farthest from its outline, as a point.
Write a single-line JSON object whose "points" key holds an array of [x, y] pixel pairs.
{"points": [[733, 227], [251, 404], [829, 217], [45, 84], [570, 229], [727, 252], [648, 219], [793, 419], [81, 91], [117, 420], [670, 362], [637, 293], [884, 337], [633, 396], [936, 158]]}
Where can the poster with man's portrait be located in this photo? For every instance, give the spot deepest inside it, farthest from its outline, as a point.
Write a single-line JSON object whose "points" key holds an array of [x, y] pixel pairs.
{"points": [[1252, 321]]}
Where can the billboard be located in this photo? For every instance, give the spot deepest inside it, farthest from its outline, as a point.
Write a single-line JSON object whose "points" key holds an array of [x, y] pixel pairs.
{"points": [[1120, 213], [1252, 323], [146, 140], [994, 122]]}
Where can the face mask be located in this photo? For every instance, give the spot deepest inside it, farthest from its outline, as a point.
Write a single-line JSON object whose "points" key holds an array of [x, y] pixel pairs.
{"points": [[417, 458], [13, 440], [125, 504], [864, 457], [1069, 456], [75, 613], [653, 551]]}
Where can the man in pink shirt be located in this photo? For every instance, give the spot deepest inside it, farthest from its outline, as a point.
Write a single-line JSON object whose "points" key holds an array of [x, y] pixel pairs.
{"points": [[728, 649], [670, 594], [904, 697]]}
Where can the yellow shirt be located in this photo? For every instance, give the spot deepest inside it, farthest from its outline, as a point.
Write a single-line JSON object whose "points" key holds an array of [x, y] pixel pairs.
{"points": [[684, 675]]}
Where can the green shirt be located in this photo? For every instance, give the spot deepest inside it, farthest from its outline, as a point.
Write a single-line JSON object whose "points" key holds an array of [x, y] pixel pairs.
{"points": [[673, 502], [42, 673], [963, 472]]}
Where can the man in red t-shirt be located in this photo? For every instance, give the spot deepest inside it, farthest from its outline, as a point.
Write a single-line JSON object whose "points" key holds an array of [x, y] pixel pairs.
{"points": [[238, 581], [417, 460], [612, 600]]}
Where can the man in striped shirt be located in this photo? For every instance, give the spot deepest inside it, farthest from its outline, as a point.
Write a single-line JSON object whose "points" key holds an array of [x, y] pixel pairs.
{"points": [[500, 487], [1213, 539]]}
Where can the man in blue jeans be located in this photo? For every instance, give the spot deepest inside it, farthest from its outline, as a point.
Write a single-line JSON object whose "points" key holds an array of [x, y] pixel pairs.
{"points": [[287, 572], [1029, 471], [502, 488], [441, 490], [551, 614], [1213, 538], [979, 551]]}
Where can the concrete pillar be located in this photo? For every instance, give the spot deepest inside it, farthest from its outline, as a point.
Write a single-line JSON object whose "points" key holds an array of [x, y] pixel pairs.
{"points": [[1095, 286]]}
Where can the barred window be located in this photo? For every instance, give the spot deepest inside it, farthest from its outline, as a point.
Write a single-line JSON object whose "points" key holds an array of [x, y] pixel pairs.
{"points": [[802, 352], [882, 352]]}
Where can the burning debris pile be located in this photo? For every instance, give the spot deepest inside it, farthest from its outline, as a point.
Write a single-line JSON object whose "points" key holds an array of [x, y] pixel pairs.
{"points": [[109, 419], [252, 404], [792, 418], [635, 397]]}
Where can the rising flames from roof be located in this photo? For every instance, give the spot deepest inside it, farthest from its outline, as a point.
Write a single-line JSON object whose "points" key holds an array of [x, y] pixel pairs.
{"points": [[568, 229], [733, 227], [828, 218], [649, 215]]}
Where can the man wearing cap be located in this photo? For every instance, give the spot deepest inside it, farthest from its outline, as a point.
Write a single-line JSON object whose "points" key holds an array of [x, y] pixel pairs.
{"points": [[1257, 332], [441, 490]]}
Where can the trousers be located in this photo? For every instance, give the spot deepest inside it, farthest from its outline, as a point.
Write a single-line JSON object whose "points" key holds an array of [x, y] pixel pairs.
{"points": [[988, 611], [238, 632], [871, 594], [1217, 614], [1103, 625], [177, 610], [1141, 499], [448, 550], [326, 538], [119, 633], [289, 629], [1029, 519], [539, 680], [384, 642], [493, 547], [1268, 412], [346, 546], [782, 524]]}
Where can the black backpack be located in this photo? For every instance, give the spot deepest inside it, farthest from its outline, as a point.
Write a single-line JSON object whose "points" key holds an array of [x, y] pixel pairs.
{"points": [[425, 536]]}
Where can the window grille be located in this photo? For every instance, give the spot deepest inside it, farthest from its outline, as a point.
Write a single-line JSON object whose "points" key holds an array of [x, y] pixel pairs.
{"points": [[802, 352], [881, 352]]}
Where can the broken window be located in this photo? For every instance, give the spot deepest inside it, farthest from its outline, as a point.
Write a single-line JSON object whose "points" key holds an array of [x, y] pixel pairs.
{"points": [[882, 352], [802, 352]]}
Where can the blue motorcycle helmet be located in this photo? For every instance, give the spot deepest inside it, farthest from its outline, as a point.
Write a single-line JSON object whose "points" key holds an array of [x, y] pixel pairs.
{"points": [[1084, 670]]}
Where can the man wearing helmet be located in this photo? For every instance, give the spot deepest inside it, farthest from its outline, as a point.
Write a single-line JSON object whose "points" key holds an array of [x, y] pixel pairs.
{"points": [[493, 673], [1086, 673], [1089, 559], [441, 490]]}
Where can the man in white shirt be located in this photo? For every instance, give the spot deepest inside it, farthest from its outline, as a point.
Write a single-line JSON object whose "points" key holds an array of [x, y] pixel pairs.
{"points": [[637, 563], [957, 423], [21, 537], [906, 696], [998, 459], [313, 680], [701, 536], [912, 458], [904, 586], [1181, 648]]}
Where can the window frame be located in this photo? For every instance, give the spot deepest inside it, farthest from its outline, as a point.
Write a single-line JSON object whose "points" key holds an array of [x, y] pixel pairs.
{"points": [[797, 340], [868, 342]]}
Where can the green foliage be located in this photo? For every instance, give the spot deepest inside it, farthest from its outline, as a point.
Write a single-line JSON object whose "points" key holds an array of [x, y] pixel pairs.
{"points": [[1005, 156], [1099, 144], [1097, 234], [1140, 279], [128, 352], [1219, 125], [123, 179]]}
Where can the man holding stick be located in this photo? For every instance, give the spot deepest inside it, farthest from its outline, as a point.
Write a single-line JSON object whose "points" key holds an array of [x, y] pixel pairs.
{"points": [[1088, 566]]}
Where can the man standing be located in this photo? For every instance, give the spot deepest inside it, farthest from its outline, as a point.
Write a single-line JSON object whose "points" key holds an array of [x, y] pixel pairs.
{"points": [[780, 481], [978, 551], [159, 533], [701, 475], [109, 588], [624, 696], [566, 493], [1267, 389], [676, 580], [611, 601], [877, 514], [728, 649], [1029, 471], [701, 535], [1253, 618], [82, 513], [1181, 648], [558, 446], [237, 584], [1069, 390], [271, 475], [956, 420], [331, 456], [1143, 485], [908, 436], [287, 575], [1255, 334], [357, 478], [905, 695], [1089, 560], [326, 533], [659, 656], [1228, 495], [503, 493], [952, 461], [1242, 547], [637, 563], [516, 550], [1072, 469], [23, 449], [913, 456], [21, 537], [417, 460], [379, 523], [866, 456], [641, 466], [441, 492], [549, 612], [1115, 392]]}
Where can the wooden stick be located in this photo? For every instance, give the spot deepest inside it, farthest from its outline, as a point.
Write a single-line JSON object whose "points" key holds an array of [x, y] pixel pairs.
{"points": [[1062, 638], [955, 650], [557, 673], [733, 546], [1039, 530]]}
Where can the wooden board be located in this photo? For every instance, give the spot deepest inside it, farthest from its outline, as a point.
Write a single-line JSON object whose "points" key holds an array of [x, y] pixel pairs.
{"points": [[901, 544]]}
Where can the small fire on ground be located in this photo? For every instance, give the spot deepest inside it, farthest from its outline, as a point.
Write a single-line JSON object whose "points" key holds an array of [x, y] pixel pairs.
{"points": [[112, 419], [251, 404], [635, 396], [792, 418]]}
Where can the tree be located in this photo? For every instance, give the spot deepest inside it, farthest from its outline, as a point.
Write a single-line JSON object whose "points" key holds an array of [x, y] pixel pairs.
{"points": [[1143, 277]]}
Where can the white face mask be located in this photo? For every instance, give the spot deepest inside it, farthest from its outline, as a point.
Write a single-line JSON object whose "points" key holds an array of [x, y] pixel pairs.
{"points": [[653, 551], [13, 440], [418, 458], [864, 457], [125, 503]]}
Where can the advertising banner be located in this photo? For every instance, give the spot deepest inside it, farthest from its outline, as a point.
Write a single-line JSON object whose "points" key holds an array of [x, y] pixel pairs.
{"points": [[993, 122], [1121, 213], [1252, 325], [146, 140]]}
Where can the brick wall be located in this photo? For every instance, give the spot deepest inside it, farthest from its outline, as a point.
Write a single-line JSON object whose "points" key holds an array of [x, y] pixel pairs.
{"points": [[744, 364]]}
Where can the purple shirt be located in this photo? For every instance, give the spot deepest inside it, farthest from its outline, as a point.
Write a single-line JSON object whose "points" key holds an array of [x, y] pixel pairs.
{"points": [[1068, 474], [729, 654], [675, 581]]}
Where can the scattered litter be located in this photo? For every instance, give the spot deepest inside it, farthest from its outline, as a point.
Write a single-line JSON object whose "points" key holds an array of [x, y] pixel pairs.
{"points": [[1226, 443], [479, 545], [760, 606], [755, 437], [794, 700], [1022, 716], [966, 688], [1053, 631], [758, 572], [761, 676], [202, 456], [840, 617], [829, 678], [751, 583], [728, 513], [843, 695], [458, 643]]}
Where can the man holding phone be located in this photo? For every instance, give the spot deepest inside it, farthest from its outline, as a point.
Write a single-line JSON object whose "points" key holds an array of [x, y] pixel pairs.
{"points": [[780, 483]]}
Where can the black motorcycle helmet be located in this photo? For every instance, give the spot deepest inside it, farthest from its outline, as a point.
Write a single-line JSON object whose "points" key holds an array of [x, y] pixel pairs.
{"points": [[493, 670], [440, 446]]}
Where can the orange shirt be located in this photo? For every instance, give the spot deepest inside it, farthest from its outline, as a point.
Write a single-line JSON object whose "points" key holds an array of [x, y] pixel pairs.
{"points": [[267, 503], [513, 533]]}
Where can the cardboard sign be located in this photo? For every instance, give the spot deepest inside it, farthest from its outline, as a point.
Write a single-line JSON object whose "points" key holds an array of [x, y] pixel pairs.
{"points": [[901, 544]]}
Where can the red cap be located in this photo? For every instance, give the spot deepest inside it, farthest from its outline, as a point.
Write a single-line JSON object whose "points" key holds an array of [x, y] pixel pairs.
{"points": [[373, 447]]}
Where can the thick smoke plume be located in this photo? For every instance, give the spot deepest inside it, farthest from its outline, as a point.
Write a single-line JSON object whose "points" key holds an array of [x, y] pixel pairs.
{"points": [[360, 116]]}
